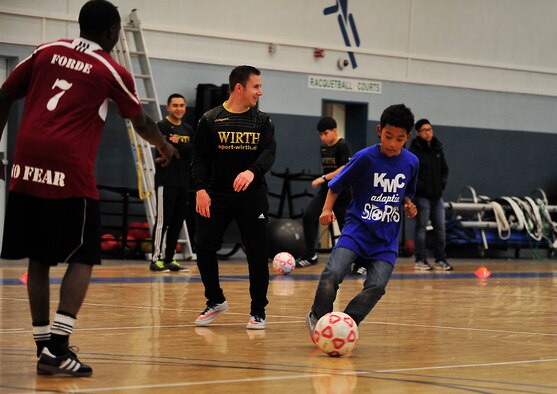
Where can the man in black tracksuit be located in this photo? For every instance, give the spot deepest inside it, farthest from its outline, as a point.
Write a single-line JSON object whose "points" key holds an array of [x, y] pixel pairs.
{"points": [[233, 148], [173, 184], [432, 179]]}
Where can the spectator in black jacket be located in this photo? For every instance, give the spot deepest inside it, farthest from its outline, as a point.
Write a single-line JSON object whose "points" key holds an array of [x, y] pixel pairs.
{"points": [[432, 179]]}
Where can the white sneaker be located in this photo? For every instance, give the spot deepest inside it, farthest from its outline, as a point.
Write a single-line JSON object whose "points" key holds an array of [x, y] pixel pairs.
{"points": [[210, 313], [256, 323]]}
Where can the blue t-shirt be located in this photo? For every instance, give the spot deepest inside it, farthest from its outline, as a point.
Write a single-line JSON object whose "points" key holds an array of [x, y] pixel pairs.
{"points": [[378, 185]]}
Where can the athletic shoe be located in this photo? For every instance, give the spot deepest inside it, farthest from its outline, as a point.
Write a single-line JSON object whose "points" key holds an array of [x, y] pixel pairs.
{"points": [[311, 321], [306, 262], [158, 266], [67, 364], [210, 313], [443, 265], [256, 322], [176, 266], [40, 372], [422, 265], [359, 270]]}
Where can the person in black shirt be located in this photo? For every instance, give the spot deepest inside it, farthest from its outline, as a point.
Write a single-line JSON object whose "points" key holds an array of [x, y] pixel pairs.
{"points": [[335, 153], [432, 179], [173, 184], [233, 148]]}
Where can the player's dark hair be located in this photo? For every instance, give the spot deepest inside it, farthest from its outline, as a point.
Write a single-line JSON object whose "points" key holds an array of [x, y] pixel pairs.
{"points": [[241, 75], [398, 115], [96, 17], [326, 123], [420, 123], [174, 95]]}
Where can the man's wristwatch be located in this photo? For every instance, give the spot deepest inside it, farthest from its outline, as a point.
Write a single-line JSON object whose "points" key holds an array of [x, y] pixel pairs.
{"points": [[323, 176]]}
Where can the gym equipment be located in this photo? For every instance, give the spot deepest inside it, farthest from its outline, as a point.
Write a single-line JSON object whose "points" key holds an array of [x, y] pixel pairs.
{"points": [[518, 220], [285, 235], [286, 196]]}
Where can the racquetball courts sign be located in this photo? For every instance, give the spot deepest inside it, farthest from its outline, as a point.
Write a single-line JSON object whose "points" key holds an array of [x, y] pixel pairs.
{"points": [[344, 84]]}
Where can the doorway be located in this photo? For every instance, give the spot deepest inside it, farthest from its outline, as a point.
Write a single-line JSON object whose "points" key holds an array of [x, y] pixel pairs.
{"points": [[351, 121], [351, 118]]}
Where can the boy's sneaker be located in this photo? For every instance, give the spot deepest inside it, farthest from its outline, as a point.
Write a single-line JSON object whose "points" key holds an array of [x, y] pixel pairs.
{"points": [[311, 321], [443, 265], [67, 364], [256, 322], [359, 270], [176, 266], [210, 313], [306, 262], [158, 266], [422, 265]]}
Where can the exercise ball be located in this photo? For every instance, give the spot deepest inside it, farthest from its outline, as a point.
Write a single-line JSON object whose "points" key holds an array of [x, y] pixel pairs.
{"points": [[285, 235], [407, 249]]}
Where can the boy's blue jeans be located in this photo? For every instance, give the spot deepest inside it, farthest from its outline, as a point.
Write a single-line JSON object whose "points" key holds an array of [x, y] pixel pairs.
{"points": [[339, 265]]}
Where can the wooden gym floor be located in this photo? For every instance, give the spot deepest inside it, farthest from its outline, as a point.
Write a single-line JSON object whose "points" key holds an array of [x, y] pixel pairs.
{"points": [[433, 332]]}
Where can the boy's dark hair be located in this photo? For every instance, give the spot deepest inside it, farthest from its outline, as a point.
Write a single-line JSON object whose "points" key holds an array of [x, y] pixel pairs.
{"points": [[241, 75], [398, 115], [174, 95], [420, 123], [97, 16], [326, 123]]}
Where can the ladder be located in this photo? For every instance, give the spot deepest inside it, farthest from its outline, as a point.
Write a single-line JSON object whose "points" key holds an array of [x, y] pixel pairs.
{"points": [[130, 52]]}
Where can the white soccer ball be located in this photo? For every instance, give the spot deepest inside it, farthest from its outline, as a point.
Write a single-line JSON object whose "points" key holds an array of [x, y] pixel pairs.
{"points": [[336, 334], [284, 263]]}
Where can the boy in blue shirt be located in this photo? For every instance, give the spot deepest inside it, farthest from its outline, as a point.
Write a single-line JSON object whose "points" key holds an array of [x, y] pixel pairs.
{"points": [[382, 179]]}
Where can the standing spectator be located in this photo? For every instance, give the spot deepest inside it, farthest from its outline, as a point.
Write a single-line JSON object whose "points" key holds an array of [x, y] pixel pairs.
{"points": [[53, 211], [432, 179], [233, 148], [335, 153], [173, 184]]}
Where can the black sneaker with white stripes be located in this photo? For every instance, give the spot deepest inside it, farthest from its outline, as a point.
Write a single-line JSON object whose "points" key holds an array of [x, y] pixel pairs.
{"points": [[306, 261], [359, 270], [67, 364]]}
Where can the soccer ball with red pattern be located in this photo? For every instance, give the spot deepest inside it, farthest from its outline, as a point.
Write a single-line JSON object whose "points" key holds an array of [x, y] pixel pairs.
{"points": [[284, 263], [336, 334]]}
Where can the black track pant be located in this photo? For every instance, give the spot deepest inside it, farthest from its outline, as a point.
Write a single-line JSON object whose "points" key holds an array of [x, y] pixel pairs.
{"points": [[311, 218], [171, 212], [251, 215]]}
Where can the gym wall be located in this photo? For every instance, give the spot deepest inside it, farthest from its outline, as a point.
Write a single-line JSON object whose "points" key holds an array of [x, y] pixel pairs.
{"points": [[480, 70]]}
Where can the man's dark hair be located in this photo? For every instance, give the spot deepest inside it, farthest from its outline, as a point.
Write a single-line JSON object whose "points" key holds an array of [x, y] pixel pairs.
{"points": [[326, 123], [241, 75], [174, 95], [96, 17], [420, 123], [398, 115]]}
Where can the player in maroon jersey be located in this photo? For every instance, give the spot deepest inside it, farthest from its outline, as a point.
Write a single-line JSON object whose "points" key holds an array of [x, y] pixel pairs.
{"points": [[53, 213]]}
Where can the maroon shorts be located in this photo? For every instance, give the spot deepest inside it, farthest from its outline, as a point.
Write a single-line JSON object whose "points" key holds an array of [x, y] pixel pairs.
{"points": [[52, 230]]}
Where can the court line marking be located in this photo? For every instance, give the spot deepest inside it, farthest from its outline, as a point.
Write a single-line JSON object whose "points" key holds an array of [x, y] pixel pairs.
{"points": [[441, 367], [302, 277], [201, 383], [270, 322], [312, 375], [464, 328], [334, 372], [542, 334], [159, 326]]}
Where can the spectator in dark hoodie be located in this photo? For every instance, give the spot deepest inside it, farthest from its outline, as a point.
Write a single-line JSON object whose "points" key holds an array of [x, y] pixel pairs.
{"points": [[432, 179]]}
